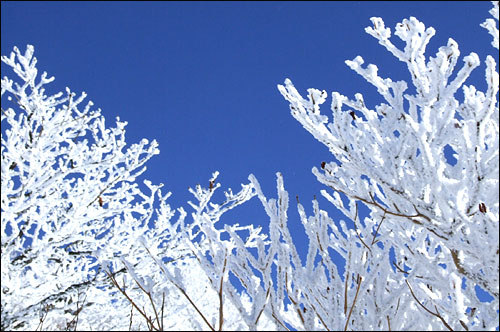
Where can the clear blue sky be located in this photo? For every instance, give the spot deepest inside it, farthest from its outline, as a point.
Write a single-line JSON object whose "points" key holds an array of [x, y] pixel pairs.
{"points": [[200, 77]]}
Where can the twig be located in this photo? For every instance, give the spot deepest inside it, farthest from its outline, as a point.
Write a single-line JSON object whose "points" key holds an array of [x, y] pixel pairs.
{"points": [[183, 292], [294, 302], [221, 302], [109, 185], [279, 321], [357, 231], [152, 303], [131, 314], [436, 314], [45, 312], [399, 269], [79, 308], [313, 307], [265, 303], [378, 227], [345, 293], [148, 319], [195, 307], [162, 312], [359, 279], [374, 203]]}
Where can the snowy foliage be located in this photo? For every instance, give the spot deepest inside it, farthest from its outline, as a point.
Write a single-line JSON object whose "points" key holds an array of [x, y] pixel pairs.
{"points": [[74, 221], [68, 186], [441, 219], [84, 246]]}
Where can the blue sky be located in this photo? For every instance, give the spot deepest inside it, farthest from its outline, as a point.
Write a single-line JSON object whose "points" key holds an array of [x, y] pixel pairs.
{"points": [[200, 77]]}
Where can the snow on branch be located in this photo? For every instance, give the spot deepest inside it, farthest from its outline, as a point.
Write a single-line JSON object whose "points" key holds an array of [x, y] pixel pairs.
{"points": [[68, 188], [394, 160]]}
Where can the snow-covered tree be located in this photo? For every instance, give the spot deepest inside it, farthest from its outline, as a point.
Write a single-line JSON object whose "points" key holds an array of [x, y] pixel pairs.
{"points": [[75, 223], [440, 217], [83, 246], [68, 186]]}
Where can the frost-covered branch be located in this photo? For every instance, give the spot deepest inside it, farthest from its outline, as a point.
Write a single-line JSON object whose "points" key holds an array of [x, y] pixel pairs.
{"points": [[395, 159], [68, 187]]}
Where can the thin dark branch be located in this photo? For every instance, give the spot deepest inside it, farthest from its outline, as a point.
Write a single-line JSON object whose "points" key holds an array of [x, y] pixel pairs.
{"points": [[345, 293], [359, 279], [131, 315], [45, 312], [399, 269], [152, 303], [221, 300], [436, 314], [195, 307], [183, 292], [280, 322], [374, 203], [162, 308], [378, 227], [357, 230], [294, 302], [148, 320], [265, 303]]}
